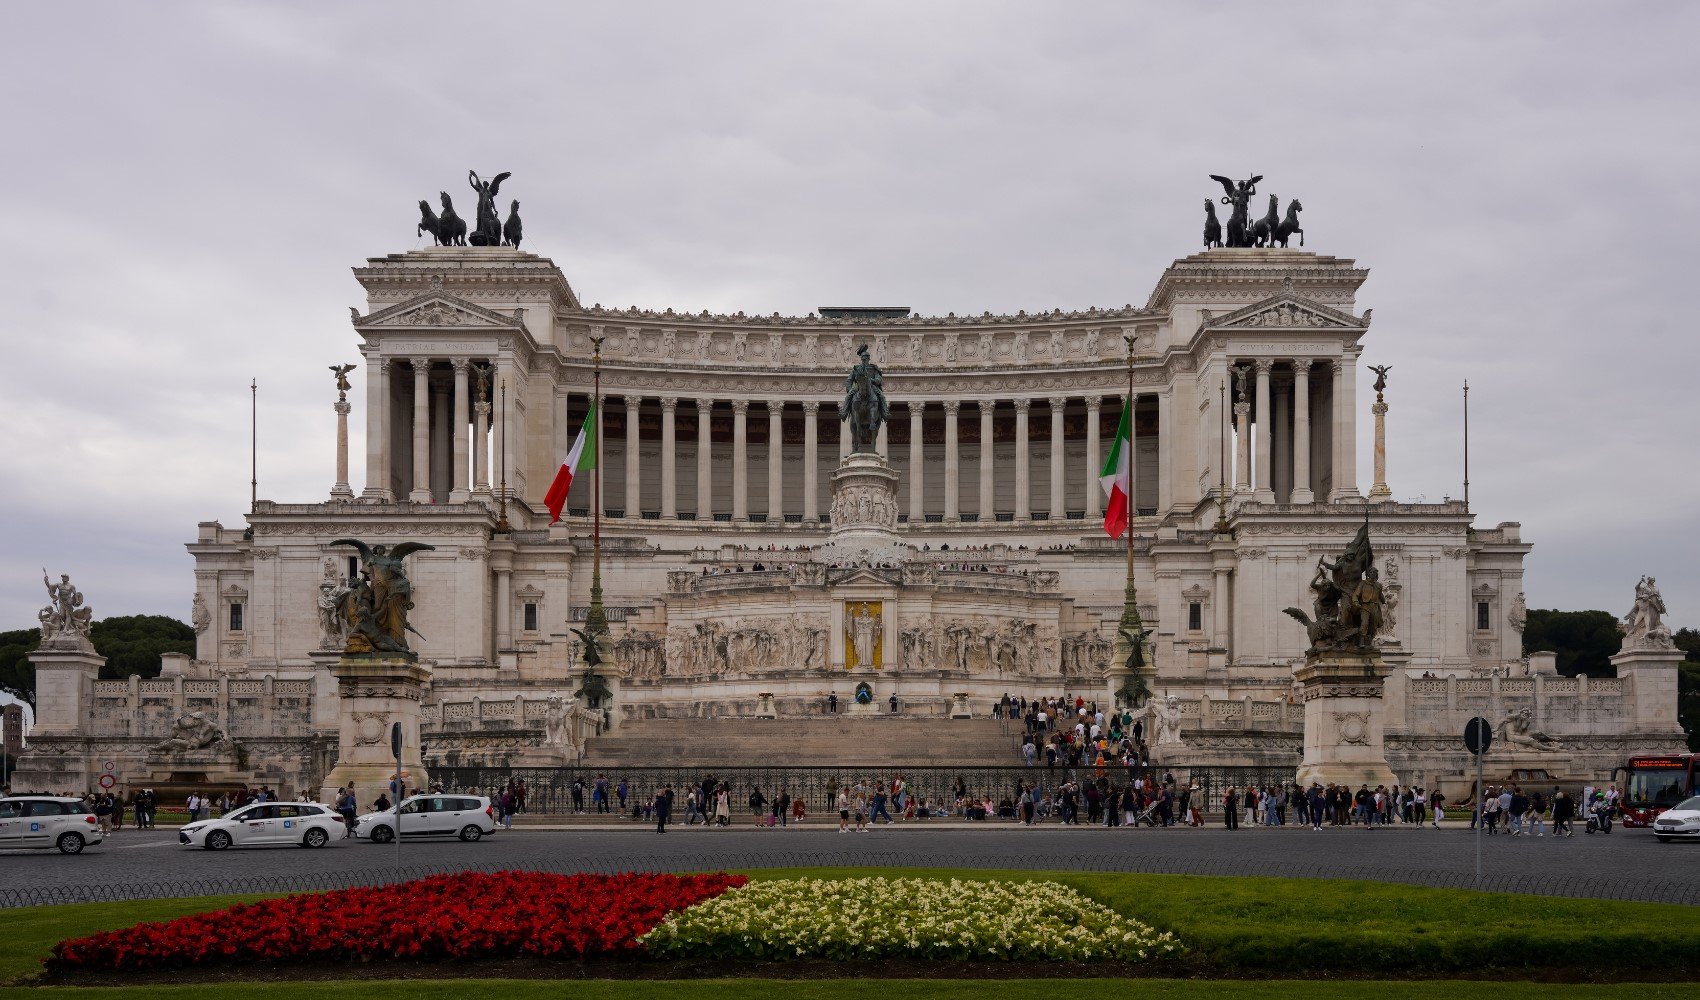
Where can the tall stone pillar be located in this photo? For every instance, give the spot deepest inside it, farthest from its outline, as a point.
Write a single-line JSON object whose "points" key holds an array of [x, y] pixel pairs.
{"points": [[1302, 492], [705, 460], [1094, 458], [776, 461], [1345, 732], [1023, 470], [1379, 492], [481, 449], [458, 489], [342, 491], [952, 465], [374, 693], [1219, 606], [669, 458], [1242, 445], [421, 431], [988, 454], [442, 441], [1281, 451], [502, 564], [1265, 426], [1165, 452], [740, 460], [634, 458], [377, 430], [1345, 428], [1059, 499], [811, 461], [917, 462]]}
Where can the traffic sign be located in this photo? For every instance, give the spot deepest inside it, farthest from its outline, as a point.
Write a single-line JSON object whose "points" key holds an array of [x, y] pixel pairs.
{"points": [[107, 781], [1478, 735], [395, 740], [109, 765]]}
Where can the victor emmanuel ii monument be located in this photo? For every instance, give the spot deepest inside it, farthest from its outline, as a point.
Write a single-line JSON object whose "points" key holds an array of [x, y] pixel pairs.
{"points": [[774, 534]]}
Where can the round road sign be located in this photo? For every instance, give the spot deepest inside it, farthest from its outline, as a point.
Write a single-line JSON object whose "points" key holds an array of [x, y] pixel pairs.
{"points": [[1478, 735], [107, 781]]}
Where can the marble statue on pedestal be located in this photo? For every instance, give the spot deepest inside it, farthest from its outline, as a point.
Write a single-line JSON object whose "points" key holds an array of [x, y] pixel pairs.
{"points": [[1165, 715], [65, 621], [195, 732], [1642, 626]]}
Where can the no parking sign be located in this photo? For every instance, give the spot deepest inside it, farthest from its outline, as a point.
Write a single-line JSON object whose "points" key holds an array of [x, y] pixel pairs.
{"points": [[107, 781]]}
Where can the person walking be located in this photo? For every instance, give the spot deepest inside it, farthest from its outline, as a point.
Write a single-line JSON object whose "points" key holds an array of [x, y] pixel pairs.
{"points": [[1563, 811], [843, 810], [663, 806], [1231, 809], [348, 808]]}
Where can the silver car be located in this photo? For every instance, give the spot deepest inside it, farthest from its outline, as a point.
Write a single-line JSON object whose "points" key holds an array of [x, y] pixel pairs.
{"points": [[468, 817], [47, 821]]}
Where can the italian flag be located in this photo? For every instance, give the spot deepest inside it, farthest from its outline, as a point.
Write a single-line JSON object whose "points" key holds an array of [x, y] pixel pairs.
{"points": [[581, 459], [1117, 478]]}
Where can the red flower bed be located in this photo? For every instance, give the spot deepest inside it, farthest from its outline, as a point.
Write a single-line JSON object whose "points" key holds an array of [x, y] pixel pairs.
{"points": [[466, 916]]}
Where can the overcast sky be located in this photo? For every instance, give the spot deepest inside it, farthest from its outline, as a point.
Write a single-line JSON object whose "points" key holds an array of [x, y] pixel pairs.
{"points": [[189, 185]]}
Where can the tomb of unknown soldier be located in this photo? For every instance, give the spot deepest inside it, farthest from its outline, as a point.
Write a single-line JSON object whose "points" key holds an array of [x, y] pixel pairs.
{"points": [[840, 540]]}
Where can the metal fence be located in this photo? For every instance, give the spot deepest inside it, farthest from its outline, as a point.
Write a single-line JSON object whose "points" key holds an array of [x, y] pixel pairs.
{"points": [[549, 789]]}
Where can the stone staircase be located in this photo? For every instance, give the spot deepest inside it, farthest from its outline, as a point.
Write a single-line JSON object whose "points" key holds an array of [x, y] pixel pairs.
{"points": [[824, 741]]}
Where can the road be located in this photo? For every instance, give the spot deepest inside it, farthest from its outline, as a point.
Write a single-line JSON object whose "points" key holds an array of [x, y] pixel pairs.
{"points": [[1628, 864]]}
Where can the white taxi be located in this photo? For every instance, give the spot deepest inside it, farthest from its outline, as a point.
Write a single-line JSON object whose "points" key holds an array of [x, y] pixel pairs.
{"points": [[468, 817], [1681, 820], [47, 821], [303, 824]]}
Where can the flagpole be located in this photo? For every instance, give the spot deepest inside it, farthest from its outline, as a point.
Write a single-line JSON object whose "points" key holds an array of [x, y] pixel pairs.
{"points": [[1131, 627], [1466, 444], [595, 619], [253, 445], [502, 526]]}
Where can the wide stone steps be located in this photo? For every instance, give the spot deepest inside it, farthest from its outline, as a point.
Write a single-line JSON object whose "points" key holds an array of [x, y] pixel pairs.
{"points": [[794, 742]]}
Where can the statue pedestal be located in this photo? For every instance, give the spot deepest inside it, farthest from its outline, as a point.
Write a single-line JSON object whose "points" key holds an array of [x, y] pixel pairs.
{"points": [[1649, 671], [864, 513], [375, 691], [65, 671], [764, 706], [1344, 720], [959, 706]]}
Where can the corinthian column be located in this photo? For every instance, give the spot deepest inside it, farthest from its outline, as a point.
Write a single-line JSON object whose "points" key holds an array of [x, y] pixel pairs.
{"points": [[669, 458], [481, 449], [952, 469], [342, 491], [1094, 490], [421, 431], [988, 450], [1379, 491], [1302, 492], [917, 462], [705, 461], [1265, 425], [458, 489], [776, 461], [1345, 428], [740, 460], [377, 430], [1059, 502], [1242, 445], [811, 461], [1023, 487], [634, 460]]}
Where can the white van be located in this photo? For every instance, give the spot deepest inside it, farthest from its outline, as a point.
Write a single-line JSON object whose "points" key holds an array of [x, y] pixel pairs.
{"points": [[47, 821]]}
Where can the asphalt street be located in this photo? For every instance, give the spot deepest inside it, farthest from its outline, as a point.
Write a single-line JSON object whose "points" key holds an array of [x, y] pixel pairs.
{"points": [[1628, 864]]}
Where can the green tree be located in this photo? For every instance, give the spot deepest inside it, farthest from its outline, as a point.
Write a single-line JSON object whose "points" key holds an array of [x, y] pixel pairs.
{"points": [[1584, 640], [132, 644], [1688, 685]]}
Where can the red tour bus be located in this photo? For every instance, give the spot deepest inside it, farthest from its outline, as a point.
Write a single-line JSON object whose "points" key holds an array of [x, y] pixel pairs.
{"points": [[1654, 783]]}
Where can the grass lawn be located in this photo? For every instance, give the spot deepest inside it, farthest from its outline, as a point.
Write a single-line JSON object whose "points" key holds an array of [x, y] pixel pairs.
{"points": [[849, 989], [1231, 926]]}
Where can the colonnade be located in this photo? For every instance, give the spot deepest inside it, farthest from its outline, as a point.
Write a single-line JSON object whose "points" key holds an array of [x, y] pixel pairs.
{"points": [[1294, 431]]}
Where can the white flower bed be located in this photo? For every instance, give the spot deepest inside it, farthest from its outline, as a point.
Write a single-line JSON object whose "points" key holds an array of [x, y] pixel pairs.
{"points": [[905, 918]]}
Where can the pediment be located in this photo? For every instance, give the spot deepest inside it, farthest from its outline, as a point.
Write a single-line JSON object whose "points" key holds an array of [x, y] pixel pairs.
{"points": [[1288, 310], [864, 575], [438, 310]]}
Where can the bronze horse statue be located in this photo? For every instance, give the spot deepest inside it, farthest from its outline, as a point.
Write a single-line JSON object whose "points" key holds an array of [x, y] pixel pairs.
{"points": [[1238, 195], [448, 229], [1263, 231], [1212, 228], [1288, 226]]}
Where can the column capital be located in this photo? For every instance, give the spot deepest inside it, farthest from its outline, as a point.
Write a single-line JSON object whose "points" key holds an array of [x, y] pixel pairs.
{"points": [[1094, 403], [1263, 366], [1301, 366], [1337, 365], [419, 364], [739, 406], [704, 402], [811, 406], [460, 365], [669, 403], [1058, 403], [916, 407], [1021, 405], [481, 408], [951, 406], [634, 403], [775, 407]]}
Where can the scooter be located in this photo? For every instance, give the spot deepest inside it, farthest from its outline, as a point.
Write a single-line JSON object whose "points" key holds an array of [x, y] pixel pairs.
{"points": [[1599, 820]]}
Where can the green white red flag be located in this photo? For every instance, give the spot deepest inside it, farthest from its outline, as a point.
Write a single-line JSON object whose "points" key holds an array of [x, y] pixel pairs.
{"points": [[1117, 477], [582, 458]]}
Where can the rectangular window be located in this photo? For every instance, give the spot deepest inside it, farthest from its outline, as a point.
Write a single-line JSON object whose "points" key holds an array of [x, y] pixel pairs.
{"points": [[1195, 616], [236, 616], [531, 616], [1483, 620]]}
